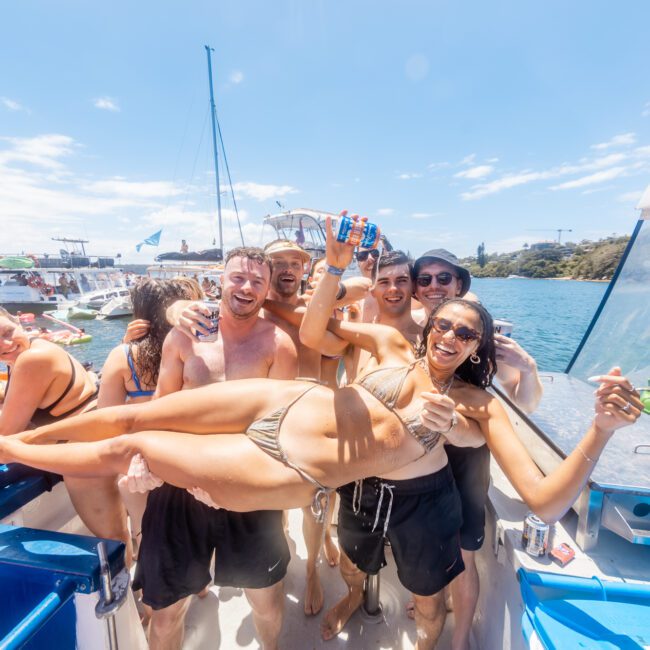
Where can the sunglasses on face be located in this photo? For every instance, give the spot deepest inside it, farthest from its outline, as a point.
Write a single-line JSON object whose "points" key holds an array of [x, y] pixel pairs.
{"points": [[461, 332], [443, 279], [362, 256]]}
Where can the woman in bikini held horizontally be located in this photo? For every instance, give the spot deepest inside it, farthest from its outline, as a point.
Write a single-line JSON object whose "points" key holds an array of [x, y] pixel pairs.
{"points": [[283, 444]]}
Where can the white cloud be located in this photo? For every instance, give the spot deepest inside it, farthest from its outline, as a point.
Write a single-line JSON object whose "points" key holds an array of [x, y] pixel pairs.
{"points": [[106, 104], [261, 192], [475, 172], [407, 176], [630, 197], [634, 160], [385, 212], [12, 104], [437, 165], [236, 77], [592, 179], [468, 160], [646, 110], [617, 141], [42, 151]]}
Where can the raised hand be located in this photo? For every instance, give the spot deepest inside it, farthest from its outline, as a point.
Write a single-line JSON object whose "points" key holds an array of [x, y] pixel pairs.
{"points": [[190, 317], [617, 402], [510, 353], [338, 254], [135, 330]]}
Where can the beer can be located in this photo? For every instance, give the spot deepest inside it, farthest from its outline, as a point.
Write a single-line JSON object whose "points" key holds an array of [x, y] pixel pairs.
{"points": [[213, 330], [356, 232], [502, 327], [534, 537]]}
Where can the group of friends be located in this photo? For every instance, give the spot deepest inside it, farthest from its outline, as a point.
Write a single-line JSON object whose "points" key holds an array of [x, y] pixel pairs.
{"points": [[370, 387]]}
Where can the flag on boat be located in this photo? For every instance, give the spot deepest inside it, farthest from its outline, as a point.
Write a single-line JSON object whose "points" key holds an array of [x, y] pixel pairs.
{"points": [[152, 240]]}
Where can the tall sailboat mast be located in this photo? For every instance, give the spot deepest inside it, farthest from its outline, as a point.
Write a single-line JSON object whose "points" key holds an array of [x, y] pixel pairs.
{"points": [[213, 115]]}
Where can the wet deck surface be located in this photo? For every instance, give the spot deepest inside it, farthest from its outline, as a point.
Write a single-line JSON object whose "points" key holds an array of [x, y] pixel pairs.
{"points": [[223, 619]]}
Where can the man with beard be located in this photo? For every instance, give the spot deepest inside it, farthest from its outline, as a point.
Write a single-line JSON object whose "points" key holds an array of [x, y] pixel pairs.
{"points": [[179, 533], [289, 261], [438, 276]]}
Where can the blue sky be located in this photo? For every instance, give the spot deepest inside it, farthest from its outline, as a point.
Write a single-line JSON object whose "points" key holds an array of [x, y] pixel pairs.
{"points": [[448, 123]]}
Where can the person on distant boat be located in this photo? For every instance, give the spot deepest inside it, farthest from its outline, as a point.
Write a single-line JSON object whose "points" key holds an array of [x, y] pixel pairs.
{"points": [[85, 284], [301, 440], [438, 277], [205, 284], [130, 371], [46, 385], [179, 533], [184, 247], [64, 285]]}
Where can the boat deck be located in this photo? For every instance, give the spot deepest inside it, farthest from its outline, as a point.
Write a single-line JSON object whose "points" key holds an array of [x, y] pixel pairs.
{"points": [[223, 619]]}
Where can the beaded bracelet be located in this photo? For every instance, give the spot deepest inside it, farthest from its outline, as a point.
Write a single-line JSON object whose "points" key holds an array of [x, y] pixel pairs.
{"points": [[335, 270]]}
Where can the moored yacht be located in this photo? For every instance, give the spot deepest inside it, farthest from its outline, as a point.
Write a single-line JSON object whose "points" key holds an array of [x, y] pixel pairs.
{"points": [[36, 283]]}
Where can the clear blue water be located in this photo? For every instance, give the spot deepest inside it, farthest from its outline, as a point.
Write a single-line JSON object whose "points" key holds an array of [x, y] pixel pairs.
{"points": [[549, 316]]}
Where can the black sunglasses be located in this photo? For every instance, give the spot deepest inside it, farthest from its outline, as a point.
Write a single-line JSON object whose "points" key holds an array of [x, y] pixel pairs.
{"points": [[362, 256], [443, 279], [461, 332]]}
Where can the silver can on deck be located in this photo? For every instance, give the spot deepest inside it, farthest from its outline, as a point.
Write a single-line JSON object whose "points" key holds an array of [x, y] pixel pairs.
{"points": [[534, 538]]}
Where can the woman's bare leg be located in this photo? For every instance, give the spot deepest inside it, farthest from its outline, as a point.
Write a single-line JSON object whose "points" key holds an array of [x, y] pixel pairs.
{"points": [[232, 469], [98, 504]]}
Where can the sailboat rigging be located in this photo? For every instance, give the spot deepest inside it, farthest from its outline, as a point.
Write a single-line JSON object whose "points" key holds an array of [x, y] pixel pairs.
{"points": [[216, 131]]}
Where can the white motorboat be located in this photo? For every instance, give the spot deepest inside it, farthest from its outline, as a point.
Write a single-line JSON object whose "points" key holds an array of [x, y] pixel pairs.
{"points": [[37, 283], [117, 307]]}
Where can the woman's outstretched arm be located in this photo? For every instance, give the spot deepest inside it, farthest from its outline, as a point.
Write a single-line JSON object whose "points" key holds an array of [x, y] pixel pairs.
{"points": [[551, 496]]}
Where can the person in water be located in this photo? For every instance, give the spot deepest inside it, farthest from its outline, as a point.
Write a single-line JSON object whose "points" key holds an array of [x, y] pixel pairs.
{"points": [[284, 444], [46, 384]]}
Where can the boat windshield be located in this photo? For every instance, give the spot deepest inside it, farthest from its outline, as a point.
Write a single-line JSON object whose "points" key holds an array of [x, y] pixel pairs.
{"points": [[620, 332]]}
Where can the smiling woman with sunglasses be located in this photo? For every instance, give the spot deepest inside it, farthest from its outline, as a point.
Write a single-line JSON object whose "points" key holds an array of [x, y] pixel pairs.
{"points": [[270, 444]]}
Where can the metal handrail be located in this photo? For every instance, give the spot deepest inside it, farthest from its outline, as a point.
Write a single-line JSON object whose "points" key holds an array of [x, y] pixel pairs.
{"points": [[39, 616]]}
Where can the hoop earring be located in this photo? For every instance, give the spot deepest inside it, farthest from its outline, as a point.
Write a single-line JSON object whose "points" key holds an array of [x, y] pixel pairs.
{"points": [[475, 359]]}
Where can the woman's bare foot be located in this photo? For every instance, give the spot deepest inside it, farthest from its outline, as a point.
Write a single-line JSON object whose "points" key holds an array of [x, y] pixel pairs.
{"points": [[336, 617], [331, 550], [313, 594]]}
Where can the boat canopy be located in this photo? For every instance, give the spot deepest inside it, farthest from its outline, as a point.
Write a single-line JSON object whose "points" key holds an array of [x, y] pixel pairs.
{"points": [[208, 255], [619, 334]]}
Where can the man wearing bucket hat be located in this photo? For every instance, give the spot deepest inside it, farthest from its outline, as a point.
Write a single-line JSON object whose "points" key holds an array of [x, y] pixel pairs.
{"points": [[439, 276]]}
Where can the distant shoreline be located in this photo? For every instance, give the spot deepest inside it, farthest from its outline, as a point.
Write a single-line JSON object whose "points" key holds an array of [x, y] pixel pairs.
{"points": [[562, 279]]}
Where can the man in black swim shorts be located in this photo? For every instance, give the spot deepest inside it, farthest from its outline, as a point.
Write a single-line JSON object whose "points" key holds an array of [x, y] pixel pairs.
{"points": [[179, 533]]}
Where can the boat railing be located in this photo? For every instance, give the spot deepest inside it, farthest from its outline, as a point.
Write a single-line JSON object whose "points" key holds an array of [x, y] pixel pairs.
{"points": [[35, 620]]}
